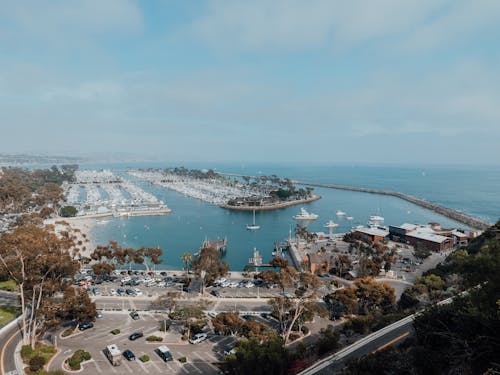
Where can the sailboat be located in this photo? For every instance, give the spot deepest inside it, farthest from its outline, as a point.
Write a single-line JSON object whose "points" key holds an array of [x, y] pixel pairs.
{"points": [[253, 226]]}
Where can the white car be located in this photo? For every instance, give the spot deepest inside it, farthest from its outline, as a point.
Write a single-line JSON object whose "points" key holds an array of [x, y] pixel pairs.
{"points": [[112, 292], [234, 284], [199, 337], [249, 285], [225, 284], [138, 292], [212, 314]]}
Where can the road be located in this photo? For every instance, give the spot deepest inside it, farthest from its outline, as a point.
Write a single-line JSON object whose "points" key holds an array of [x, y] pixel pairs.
{"points": [[9, 298], [8, 343], [390, 335]]}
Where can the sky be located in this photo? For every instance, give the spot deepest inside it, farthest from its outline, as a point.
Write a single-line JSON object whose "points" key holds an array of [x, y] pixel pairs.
{"points": [[359, 81]]}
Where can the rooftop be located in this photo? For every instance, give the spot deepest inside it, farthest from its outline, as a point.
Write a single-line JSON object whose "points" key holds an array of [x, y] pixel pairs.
{"points": [[373, 231], [426, 235]]}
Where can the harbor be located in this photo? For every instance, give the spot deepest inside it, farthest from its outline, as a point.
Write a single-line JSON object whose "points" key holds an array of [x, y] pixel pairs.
{"points": [[101, 193]]}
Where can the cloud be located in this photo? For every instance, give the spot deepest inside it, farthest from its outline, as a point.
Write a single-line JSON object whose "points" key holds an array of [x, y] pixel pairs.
{"points": [[299, 25], [66, 23]]}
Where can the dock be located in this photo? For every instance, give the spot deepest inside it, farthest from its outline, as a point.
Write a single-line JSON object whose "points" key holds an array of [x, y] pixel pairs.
{"points": [[220, 245]]}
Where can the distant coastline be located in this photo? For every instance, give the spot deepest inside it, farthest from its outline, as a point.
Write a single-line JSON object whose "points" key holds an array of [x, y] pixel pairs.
{"points": [[270, 207]]}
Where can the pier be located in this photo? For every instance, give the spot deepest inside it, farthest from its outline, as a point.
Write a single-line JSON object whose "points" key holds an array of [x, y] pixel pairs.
{"points": [[220, 245], [445, 211]]}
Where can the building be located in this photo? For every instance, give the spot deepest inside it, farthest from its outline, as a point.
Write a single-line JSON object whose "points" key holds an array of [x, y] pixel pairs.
{"points": [[372, 234], [318, 263], [430, 236]]}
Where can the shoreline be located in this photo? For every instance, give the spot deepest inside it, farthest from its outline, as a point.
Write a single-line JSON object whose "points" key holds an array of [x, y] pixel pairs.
{"points": [[276, 206]]}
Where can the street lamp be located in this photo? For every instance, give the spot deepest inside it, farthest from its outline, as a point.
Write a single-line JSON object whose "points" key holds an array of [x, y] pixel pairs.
{"points": [[203, 274]]}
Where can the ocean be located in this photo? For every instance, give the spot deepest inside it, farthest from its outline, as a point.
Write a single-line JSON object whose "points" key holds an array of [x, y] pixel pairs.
{"points": [[470, 190]]}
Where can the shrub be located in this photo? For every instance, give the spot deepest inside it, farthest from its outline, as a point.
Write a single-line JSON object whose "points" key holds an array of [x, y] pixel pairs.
{"points": [[67, 332], [294, 336], [74, 363], [26, 352], [36, 363], [116, 331], [182, 359], [144, 358], [304, 330], [154, 338]]}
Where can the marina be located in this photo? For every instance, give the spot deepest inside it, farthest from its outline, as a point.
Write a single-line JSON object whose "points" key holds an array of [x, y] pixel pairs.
{"points": [[101, 193]]}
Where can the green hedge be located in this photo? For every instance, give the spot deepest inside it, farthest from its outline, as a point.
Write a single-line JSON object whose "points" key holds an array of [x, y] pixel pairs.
{"points": [[144, 358], [154, 338], [116, 331]]}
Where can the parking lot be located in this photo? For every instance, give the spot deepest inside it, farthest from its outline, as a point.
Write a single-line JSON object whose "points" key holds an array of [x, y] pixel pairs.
{"points": [[201, 358]]}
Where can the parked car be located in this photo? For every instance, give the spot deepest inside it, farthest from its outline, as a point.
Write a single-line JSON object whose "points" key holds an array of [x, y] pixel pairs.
{"points": [[134, 315], [215, 293], [130, 292], [112, 292], [120, 291], [135, 336], [129, 355], [99, 314], [138, 292], [212, 314], [199, 337], [229, 352], [164, 353], [85, 325]]}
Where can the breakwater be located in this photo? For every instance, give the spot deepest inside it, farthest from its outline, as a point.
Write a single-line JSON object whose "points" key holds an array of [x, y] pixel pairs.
{"points": [[445, 211]]}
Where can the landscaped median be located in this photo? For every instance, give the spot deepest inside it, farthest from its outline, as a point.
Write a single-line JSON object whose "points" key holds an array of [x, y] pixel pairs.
{"points": [[74, 362], [36, 359]]}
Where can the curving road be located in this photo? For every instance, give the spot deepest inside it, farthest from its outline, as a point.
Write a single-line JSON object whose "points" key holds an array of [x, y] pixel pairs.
{"points": [[390, 335], [8, 342]]}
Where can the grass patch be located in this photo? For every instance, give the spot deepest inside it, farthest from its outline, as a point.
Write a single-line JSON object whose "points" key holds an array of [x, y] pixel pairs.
{"points": [[144, 358], [67, 332], [8, 313], [116, 331], [9, 285], [44, 351], [182, 359]]}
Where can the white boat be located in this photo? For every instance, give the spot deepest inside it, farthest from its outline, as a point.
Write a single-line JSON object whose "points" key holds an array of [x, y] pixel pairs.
{"points": [[349, 218], [340, 213], [304, 215], [253, 226], [331, 224], [376, 220]]}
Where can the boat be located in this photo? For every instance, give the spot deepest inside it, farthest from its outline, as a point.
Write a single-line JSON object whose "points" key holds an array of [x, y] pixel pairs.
{"points": [[340, 213], [349, 218], [253, 226], [330, 225], [304, 215], [376, 220]]}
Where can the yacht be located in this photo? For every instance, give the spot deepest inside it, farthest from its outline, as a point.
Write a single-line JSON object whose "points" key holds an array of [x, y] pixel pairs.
{"points": [[376, 220], [304, 215], [253, 226], [340, 213], [349, 218]]}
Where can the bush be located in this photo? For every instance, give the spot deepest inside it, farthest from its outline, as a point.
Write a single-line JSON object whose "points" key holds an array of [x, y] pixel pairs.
{"points": [[182, 359], [26, 352], [144, 358], [304, 330], [36, 363], [74, 363], [116, 331], [67, 332], [154, 338]]}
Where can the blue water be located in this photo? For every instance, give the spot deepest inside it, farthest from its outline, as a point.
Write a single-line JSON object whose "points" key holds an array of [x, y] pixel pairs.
{"points": [[474, 191]]}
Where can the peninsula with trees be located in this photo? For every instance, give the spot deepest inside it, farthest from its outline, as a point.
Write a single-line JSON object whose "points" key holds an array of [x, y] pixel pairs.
{"points": [[231, 192]]}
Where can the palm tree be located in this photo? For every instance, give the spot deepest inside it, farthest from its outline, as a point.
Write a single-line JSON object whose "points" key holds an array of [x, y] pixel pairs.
{"points": [[187, 259]]}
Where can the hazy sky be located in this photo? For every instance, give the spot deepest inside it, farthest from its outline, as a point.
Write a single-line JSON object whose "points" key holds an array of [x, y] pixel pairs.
{"points": [[334, 81]]}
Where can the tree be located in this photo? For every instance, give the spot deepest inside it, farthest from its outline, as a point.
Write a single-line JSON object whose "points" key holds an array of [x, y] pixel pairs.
{"points": [[39, 261], [208, 259], [253, 357], [372, 296], [289, 310], [68, 211], [187, 258], [342, 302], [192, 316], [228, 323]]}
